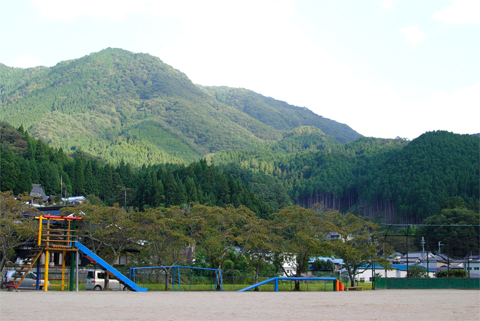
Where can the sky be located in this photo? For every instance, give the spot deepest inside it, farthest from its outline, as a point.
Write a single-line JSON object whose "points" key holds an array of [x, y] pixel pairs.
{"points": [[386, 68]]}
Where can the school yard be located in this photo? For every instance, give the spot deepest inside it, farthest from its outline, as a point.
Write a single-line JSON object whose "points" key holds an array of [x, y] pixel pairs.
{"points": [[126, 305]]}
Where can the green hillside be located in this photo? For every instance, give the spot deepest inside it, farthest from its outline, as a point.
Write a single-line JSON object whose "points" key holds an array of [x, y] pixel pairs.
{"points": [[120, 105], [279, 114], [25, 160], [390, 179], [119, 112]]}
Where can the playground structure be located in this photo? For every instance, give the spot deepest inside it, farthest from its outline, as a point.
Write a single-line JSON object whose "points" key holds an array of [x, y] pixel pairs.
{"points": [[176, 274], [61, 240], [110, 270], [54, 239], [50, 240], [337, 285]]}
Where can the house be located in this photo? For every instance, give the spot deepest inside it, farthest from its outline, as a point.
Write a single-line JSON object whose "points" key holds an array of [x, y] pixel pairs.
{"points": [[332, 236], [425, 258], [38, 194], [473, 268], [74, 200], [395, 258], [366, 272], [337, 263], [289, 265]]}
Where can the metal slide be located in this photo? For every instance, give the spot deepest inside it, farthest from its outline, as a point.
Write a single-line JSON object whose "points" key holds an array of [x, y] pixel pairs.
{"points": [[110, 269], [287, 279]]}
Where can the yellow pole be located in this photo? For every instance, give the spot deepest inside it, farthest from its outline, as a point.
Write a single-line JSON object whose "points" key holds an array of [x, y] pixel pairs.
{"points": [[45, 278], [63, 268], [48, 232], [40, 230]]}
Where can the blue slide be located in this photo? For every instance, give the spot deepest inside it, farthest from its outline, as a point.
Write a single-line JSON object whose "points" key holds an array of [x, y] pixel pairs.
{"points": [[286, 279], [110, 269]]}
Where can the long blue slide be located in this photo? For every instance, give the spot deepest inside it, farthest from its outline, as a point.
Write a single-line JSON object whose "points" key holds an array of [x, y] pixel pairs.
{"points": [[110, 269], [286, 279]]}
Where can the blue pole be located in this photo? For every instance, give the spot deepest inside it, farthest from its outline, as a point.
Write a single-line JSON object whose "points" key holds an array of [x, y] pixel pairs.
{"points": [[173, 280], [37, 287], [276, 285], [179, 284], [221, 280]]}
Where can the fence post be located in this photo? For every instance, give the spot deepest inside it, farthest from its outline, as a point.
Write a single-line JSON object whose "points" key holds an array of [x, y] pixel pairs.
{"points": [[406, 241], [448, 254], [468, 253], [428, 233]]}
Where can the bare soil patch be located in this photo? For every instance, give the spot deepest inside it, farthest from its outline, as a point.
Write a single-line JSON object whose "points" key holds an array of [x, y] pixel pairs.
{"points": [[361, 305]]}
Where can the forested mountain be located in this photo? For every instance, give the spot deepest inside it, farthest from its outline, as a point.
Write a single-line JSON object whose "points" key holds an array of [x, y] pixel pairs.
{"points": [[390, 179], [26, 160], [115, 122], [119, 105], [279, 114]]}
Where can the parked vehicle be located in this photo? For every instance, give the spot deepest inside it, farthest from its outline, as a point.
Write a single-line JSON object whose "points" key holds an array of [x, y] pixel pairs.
{"points": [[29, 283], [96, 281]]}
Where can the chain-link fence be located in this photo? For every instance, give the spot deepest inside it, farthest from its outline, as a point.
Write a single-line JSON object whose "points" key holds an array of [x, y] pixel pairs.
{"points": [[426, 283]]}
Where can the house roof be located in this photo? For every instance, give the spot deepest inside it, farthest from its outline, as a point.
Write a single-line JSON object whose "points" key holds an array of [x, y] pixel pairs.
{"points": [[37, 191], [403, 267], [400, 267], [324, 258], [49, 210], [74, 199]]}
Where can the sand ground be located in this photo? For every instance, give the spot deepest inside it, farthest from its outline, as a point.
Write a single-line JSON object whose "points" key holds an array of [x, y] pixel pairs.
{"points": [[366, 305]]}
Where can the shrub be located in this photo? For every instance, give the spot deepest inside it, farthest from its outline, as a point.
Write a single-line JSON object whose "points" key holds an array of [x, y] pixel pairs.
{"points": [[417, 271], [453, 274]]}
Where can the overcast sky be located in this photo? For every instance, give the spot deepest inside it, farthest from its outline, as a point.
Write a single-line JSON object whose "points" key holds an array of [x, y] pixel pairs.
{"points": [[386, 68]]}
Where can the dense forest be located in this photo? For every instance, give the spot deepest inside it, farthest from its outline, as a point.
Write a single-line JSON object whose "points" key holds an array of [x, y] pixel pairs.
{"points": [[26, 160], [393, 180], [116, 125], [116, 105]]}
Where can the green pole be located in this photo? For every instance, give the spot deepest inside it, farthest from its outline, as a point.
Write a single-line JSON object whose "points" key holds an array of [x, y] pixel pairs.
{"points": [[72, 260]]}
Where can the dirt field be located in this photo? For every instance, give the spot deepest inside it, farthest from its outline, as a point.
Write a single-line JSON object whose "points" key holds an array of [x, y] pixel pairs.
{"points": [[371, 305]]}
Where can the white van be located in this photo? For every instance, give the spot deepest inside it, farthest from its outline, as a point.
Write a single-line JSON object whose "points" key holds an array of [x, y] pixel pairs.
{"points": [[96, 281], [28, 283]]}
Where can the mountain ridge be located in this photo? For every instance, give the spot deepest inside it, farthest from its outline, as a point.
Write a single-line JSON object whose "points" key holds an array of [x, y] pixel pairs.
{"points": [[111, 99]]}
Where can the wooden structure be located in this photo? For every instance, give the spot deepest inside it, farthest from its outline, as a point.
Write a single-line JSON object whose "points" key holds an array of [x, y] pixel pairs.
{"points": [[50, 240], [354, 288]]}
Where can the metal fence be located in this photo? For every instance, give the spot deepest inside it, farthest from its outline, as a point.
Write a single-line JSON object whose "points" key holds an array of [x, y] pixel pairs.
{"points": [[427, 283]]}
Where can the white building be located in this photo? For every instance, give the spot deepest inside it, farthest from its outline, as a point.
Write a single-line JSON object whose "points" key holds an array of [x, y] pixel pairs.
{"points": [[397, 271], [474, 268], [74, 200]]}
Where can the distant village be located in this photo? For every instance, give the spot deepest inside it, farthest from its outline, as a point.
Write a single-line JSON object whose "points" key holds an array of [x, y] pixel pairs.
{"points": [[432, 262]]}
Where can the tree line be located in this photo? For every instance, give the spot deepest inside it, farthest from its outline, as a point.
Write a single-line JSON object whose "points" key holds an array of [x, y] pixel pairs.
{"points": [[390, 179], [26, 160], [162, 235]]}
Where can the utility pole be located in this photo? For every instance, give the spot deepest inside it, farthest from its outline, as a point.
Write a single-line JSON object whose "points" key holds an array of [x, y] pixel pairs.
{"points": [[125, 200], [423, 251], [439, 244]]}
